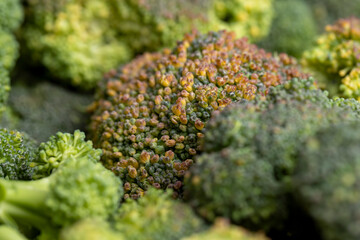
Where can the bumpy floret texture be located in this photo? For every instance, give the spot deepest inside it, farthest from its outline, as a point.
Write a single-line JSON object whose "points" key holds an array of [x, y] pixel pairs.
{"points": [[151, 24], [60, 147], [327, 180], [149, 115], [8, 50], [293, 28], [11, 14], [90, 229], [43, 109], [156, 216], [336, 56], [4, 88], [17, 150], [73, 39], [248, 154], [223, 230]]}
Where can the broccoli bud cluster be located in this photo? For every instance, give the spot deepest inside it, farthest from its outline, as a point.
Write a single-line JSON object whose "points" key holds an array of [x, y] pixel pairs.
{"points": [[150, 114]]}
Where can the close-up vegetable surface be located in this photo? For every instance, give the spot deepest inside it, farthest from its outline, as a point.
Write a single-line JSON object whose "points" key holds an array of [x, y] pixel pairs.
{"points": [[179, 120]]}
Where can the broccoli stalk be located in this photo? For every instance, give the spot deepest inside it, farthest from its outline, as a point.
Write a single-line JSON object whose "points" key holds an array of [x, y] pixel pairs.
{"points": [[78, 189], [9, 233]]}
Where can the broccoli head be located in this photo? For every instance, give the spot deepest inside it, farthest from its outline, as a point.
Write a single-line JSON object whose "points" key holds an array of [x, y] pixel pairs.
{"points": [[74, 40], [11, 15], [149, 115], [17, 151], [4, 88], [79, 189], [60, 147], [223, 230], [9, 49], [335, 57], [293, 28], [156, 216], [248, 154], [327, 180]]}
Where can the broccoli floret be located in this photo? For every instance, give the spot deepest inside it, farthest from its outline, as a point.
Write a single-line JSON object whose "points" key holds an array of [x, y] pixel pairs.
{"points": [[335, 58], [11, 15], [223, 230], [327, 180], [156, 216], [293, 29], [4, 88], [44, 109], [9, 49], [79, 189], [17, 150], [149, 115], [74, 40], [9, 233], [90, 229], [248, 157], [60, 147]]}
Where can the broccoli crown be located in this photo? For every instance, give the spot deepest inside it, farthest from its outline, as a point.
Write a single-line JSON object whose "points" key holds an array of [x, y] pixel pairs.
{"points": [[151, 24], [44, 109], [327, 178], [149, 115], [336, 55], [79, 189], [60, 147], [16, 153], [74, 40], [249, 149], [223, 230], [9, 49], [11, 15], [10, 233], [4, 88], [293, 28], [90, 229], [156, 216]]}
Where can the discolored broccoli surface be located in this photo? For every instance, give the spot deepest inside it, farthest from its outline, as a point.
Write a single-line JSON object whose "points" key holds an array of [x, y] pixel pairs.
{"points": [[44, 109], [79, 189], [4, 88], [9, 233], [149, 115], [90, 229], [327, 179], [59, 148], [156, 216], [17, 150], [223, 230], [74, 40], [248, 159], [336, 57], [151, 24], [293, 28]]}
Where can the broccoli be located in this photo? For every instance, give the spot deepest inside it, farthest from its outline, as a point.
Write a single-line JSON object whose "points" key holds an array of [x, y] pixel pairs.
{"points": [[293, 28], [223, 230], [248, 154], [148, 116], [151, 24], [11, 14], [9, 49], [9, 233], [17, 151], [156, 216], [4, 88], [79, 189], [60, 147], [335, 58], [74, 40], [44, 108], [90, 229], [326, 180]]}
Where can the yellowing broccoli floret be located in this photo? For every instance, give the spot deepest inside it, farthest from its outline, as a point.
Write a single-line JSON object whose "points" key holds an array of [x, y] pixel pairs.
{"points": [[150, 114]]}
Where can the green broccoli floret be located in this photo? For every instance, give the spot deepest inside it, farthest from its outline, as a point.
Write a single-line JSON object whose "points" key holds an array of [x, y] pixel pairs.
{"points": [[11, 15], [248, 157], [9, 49], [17, 150], [327, 180], [60, 147], [223, 230], [44, 109], [293, 29], [149, 116], [156, 216], [9, 233], [74, 40], [79, 189], [4, 88], [90, 229]]}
